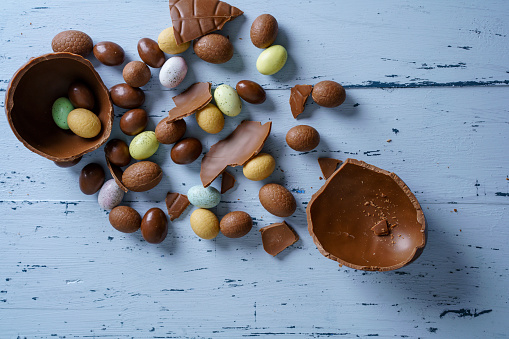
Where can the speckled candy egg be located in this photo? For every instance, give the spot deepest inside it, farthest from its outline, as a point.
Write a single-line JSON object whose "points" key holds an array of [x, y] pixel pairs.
{"points": [[210, 119], [173, 72], [144, 145], [84, 123], [260, 167], [227, 100], [110, 195], [60, 110], [204, 224], [203, 197]]}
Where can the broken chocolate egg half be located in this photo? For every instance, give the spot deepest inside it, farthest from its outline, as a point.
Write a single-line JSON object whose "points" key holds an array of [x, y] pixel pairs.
{"points": [[31, 94], [367, 218]]}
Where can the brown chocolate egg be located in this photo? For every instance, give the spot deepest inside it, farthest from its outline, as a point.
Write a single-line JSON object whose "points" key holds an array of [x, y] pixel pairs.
{"points": [[125, 96], [277, 200], [236, 224], [170, 133], [154, 226], [142, 176], [136, 74], [67, 164], [186, 151], [81, 96], [71, 41], [264, 31], [91, 178], [251, 92], [134, 121], [117, 152], [328, 94], [213, 48], [150, 53], [109, 53], [302, 138], [366, 218], [125, 219]]}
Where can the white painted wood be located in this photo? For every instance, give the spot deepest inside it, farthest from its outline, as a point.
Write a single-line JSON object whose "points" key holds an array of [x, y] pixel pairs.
{"points": [[65, 272]]}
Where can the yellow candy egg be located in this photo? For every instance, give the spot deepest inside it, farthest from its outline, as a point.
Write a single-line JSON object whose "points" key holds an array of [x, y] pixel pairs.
{"points": [[84, 123], [210, 119], [204, 223], [167, 43], [144, 145], [260, 167]]}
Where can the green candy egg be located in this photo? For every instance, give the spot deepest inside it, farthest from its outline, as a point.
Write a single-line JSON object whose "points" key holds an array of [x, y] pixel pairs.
{"points": [[271, 60], [227, 100], [144, 145], [60, 110]]}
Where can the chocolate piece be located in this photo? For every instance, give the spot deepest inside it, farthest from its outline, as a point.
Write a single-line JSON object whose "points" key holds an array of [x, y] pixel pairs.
{"points": [[186, 151], [91, 178], [81, 96], [30, 96], [133, 122], [381, 228], [176, 204], [125, 96], [116, 172], [357, 196], [192, 99], [277, 237], [117, 152], [298, 97], [241, 145], [227, 182], [154, 226], [193, 18], [328, 166], [251, 92], [109, 53]]}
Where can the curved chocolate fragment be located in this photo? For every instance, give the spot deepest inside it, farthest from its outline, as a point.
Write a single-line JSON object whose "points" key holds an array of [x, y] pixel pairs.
{"points": [[241, 145], [116, 173], [341, 216], [277, 237], [176, 204], [30, 96], [328, 166], [227, 182], [192, 99], [192, 19], [298, 97]]}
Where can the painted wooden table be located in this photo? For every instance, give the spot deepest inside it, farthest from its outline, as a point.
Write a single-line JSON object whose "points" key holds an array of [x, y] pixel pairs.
{"points": [[431, 76]]}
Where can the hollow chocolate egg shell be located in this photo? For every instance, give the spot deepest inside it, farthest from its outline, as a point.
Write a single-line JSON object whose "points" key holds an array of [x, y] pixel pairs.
{"points": [[356, 198], [29, 99]]}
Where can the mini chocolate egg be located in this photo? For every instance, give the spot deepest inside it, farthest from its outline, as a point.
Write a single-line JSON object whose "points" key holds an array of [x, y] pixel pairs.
{"points": [[81, 96], [136, 74], [277, 200], [125, 219], [264, 31], [133, 122], [227, 100], [150, 53], [173, 72], [144, 145], [213, 48], [203, 197], [271, 60], [328, 94], [72, 41], [251, 92], [117, 152], [154, 226], [170, 133], [91, 178], [125, 96], [236, 224], [60, 110], [84, 123], [142, 176], [109, 53], [186, 151], [67, 164], [110, 195], [303, 138]]}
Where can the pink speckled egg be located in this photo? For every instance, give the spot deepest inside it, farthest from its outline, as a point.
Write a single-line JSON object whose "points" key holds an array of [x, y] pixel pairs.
{"points": [[173, 72], [110, 195]]}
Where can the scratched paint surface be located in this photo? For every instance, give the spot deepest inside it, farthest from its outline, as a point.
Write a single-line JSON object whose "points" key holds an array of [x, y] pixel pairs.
{"points": [[65, 272]]}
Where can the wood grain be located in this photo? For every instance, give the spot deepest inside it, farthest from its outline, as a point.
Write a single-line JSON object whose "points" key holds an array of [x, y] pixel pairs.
{"points": [[65, 272]]}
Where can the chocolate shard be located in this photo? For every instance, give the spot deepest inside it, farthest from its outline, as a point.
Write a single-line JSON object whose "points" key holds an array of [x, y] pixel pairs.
{"points": [[176, 204], [277, 237], [192, 99], [227, 182], [328, 166], [298, 97], [116, 173], [192, 19], [241, 145], [381, 228]]}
